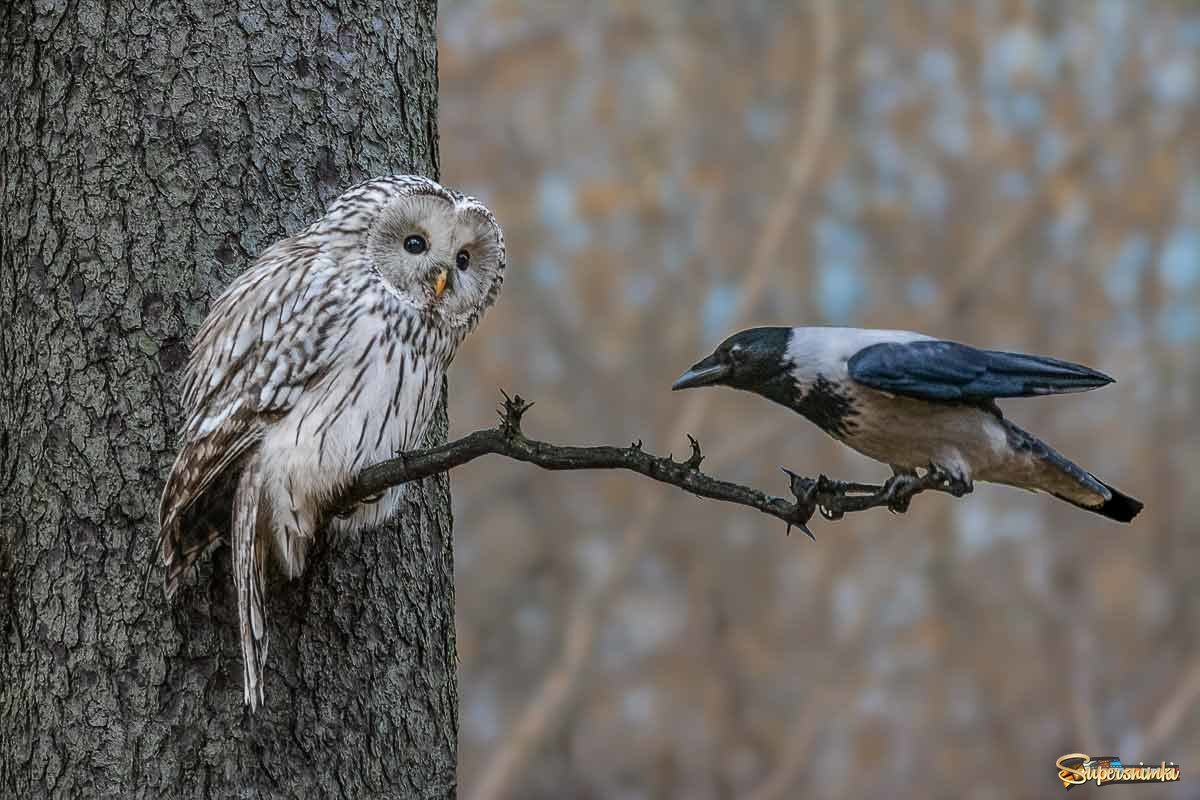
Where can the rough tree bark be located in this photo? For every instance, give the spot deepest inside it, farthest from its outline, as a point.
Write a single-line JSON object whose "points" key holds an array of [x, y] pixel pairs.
{"points": [[148, 151]]}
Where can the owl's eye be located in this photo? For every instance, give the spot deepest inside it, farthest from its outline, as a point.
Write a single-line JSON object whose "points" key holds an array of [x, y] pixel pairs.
{"points": [[415, 244], [463, 259]]}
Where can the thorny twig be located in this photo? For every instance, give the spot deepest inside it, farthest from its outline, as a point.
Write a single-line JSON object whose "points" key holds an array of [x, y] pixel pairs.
{"points": [[832, 498]]}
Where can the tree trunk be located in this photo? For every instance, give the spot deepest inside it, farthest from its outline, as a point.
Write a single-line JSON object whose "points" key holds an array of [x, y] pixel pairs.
{"points": [[149, 151]]}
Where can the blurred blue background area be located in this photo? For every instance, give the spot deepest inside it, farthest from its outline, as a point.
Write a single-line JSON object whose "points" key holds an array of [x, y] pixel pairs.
{"points": [[1023, 175]]}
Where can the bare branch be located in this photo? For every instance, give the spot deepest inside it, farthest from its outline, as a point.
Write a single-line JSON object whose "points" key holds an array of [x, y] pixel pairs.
{"points": [[833, 498]]}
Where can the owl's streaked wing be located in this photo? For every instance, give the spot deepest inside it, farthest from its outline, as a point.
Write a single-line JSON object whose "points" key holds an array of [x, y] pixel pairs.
{"points": [[266, 339]]}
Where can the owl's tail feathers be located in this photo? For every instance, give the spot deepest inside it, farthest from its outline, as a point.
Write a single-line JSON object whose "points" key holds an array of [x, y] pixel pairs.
{"points": [[249, 560]]}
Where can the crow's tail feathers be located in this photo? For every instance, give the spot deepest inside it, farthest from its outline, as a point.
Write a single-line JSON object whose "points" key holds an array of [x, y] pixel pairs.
{"points": [[1119, 506], [1066, 480]]}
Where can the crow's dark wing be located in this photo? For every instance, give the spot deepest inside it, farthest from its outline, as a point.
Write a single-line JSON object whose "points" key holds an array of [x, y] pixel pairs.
{"points": [[935, 370]]}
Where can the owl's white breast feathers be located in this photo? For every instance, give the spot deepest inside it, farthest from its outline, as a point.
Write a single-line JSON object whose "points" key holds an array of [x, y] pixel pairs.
{"points": [[316, 358], [375, 401]]}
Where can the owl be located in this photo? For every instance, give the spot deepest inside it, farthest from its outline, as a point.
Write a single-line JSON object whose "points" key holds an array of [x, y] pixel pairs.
{"points": [[325, 357]]}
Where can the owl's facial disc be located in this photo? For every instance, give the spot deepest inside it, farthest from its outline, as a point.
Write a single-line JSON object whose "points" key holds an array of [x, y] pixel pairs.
{"points": [[410, 245], [444, 257]]}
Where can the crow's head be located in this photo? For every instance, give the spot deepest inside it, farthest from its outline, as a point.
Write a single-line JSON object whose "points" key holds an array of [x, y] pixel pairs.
{"points": [[754, 360]]}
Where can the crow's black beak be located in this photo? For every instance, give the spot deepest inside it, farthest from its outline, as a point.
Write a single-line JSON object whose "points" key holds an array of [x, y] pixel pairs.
{"points": [[703, 373]]}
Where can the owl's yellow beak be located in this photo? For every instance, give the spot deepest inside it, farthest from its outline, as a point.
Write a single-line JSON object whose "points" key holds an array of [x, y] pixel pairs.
{"points": [[439, 284]]}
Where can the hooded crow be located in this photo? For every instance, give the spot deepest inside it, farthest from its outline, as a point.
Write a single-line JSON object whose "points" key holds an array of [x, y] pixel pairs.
{"points": [[915, 402]]}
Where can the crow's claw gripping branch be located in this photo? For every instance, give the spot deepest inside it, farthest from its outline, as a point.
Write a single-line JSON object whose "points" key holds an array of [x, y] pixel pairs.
{"points": [[898, 491], [952, 482]]}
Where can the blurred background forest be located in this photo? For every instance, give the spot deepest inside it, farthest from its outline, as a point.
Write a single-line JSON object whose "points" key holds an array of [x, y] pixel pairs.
{"points": [[1024, 175]]}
